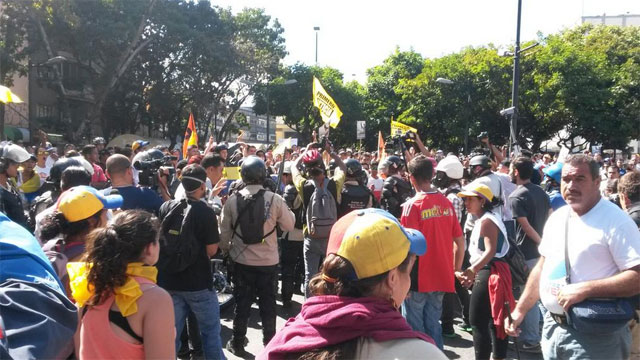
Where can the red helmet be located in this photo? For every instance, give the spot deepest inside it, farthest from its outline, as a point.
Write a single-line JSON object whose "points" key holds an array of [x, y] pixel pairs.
{"points": [[311, 157]]}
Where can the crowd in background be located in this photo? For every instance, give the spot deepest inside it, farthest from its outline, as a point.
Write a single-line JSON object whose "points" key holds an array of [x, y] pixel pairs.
{"points": [[286, 214]]}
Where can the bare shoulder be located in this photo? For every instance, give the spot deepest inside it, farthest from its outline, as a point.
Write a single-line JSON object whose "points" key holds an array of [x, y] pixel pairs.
{"points": [[154, 296]]}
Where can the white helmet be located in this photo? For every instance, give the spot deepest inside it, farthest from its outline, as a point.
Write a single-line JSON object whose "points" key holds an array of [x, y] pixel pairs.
{"points": [[451, 166]]}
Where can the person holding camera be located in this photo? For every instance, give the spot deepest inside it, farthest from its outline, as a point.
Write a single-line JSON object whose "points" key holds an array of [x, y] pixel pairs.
{"points": [[134, 197]]}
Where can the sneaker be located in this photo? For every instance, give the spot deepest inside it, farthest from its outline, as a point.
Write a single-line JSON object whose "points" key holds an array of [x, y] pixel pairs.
{"points": [[531, 348], [465, 328], [448, 332], [235, 348]]}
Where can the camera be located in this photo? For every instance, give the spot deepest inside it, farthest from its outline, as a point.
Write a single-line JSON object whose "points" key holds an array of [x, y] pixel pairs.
{"points": [[151, 166], [483, 135], [399, 143], [507, 111]]}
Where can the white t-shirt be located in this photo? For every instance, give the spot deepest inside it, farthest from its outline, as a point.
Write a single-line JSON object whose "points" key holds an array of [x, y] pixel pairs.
{"points": [[43, 172], [377, 183], [602, 242]]}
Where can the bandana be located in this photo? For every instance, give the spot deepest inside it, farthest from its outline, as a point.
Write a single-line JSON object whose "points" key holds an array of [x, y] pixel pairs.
{"points": [[125, 295]]}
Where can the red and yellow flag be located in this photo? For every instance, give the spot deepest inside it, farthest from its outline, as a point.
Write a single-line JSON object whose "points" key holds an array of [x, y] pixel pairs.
{"points": [[190, 136], [381, 153]]}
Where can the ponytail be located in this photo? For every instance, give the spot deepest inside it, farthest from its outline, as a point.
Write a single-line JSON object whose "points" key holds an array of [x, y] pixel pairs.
{"points": [[56, 224], [112, 248]]}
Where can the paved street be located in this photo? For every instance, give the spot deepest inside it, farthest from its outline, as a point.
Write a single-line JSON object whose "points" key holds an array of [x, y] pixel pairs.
{"points": [[458, 348]]}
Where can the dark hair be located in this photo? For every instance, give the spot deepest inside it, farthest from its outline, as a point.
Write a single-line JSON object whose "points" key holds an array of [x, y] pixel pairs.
{"points": [[194, 171], [629, 185], [126, 151], [117, 164], [181, 164], [579, 159], [112, 248], [74, 176], [212, 159], [88, 149], [524, 165], [341, 269], [612, 186], [506, 163], [56, 224], [421, 168], [71, 153]]}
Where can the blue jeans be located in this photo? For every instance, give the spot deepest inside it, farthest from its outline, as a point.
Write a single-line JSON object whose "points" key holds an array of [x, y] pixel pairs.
{"points": [[204, 304], [530, 325], [423, 311], [563, 342], [314, 251]]}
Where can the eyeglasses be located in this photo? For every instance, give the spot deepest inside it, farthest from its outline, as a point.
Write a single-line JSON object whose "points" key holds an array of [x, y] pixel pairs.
{"points": [[43, 153]]}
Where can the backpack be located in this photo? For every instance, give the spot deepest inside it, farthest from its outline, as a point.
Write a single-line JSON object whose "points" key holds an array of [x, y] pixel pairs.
{"points": [[251, 217], [322, 212], [179, 247], [59, 253], [517, 264]]}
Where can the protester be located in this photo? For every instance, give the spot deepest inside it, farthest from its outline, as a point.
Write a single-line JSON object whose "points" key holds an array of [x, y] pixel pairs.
{"points": [[629, 191], [124, 314], [530, 206], [41, 163], [355, 195], [603, 247], [98, 179], [28, 180], [396, 190], [11, 156], [292, 261], [353, 313], [186, 275], [311, 180], [488, 273], [553, 176], [433, 274], [375, 182]]}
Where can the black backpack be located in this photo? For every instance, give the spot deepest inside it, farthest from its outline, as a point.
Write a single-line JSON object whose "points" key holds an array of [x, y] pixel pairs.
{"points": [[251, 217], [179, 247], [517, 264]]}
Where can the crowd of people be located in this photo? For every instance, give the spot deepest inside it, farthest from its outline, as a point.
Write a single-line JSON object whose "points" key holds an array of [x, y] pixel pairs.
{"points": [[112, 247]]}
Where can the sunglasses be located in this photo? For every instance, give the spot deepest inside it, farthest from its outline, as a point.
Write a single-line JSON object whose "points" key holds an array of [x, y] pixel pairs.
{"points": [[43, 153]]}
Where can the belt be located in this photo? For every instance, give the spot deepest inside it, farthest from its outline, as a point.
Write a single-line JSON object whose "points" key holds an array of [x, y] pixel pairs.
{"points": [[560, 319]]}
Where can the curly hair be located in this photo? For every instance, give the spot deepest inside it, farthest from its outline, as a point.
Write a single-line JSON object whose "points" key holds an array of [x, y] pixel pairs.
{"points": [[56, 224], [112, 248], [629, 185]]}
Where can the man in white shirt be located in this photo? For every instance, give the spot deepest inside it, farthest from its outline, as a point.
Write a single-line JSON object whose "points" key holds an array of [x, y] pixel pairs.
{"points": [[604, 254]]}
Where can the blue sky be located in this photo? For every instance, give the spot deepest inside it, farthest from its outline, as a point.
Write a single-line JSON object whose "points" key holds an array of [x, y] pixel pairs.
{"points": [[356, 35]]}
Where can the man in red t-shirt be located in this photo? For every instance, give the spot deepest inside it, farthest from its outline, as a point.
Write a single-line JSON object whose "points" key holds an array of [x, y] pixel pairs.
{"points": [[432, 214]]}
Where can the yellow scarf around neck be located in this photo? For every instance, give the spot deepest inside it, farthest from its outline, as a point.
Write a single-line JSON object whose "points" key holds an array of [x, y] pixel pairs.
{"points": [[125, 295]]}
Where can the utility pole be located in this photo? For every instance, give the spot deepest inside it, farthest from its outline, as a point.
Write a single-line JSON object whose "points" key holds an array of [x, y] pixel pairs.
{"points": [[516, 79]]}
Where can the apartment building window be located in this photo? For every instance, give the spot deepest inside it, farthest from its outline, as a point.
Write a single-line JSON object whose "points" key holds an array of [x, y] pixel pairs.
{"points": [[45, 111], [262, 122], [261, 136]]}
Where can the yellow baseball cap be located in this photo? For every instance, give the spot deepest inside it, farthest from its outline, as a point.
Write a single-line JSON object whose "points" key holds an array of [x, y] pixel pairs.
{"points": [[373, 241], [82, 202], [477, 190]]}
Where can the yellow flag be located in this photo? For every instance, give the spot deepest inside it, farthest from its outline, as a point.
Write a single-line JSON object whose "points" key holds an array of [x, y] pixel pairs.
{"points": [[329, 110], [400, 128]]}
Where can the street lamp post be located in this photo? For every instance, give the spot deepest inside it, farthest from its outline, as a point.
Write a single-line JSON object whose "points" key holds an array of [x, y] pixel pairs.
{"points": [[316, 28], [516, 79]]}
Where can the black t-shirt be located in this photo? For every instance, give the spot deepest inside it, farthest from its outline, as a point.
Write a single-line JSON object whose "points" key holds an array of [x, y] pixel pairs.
{"points": [[530, 201], [197, 276]]}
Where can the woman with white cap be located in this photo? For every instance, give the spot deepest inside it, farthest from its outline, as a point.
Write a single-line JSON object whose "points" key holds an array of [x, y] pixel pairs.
{"points": [[488, 273], [354, 311], [11, 156]]}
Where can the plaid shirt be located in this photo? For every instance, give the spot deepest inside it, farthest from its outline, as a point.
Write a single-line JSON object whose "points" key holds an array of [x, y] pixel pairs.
{"points": [[458, 204]]}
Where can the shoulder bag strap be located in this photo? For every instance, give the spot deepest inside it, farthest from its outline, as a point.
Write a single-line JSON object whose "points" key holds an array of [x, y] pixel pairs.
{"points": [[567, 264]]}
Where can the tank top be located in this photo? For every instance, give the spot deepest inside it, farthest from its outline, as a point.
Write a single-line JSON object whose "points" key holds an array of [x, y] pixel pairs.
{"points": [[476, 244], [97, 339]]}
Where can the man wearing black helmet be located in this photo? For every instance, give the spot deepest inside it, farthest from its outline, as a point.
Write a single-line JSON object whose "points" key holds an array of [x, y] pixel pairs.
{"points": [[253, 249], [395, 190], [355, 195]]}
